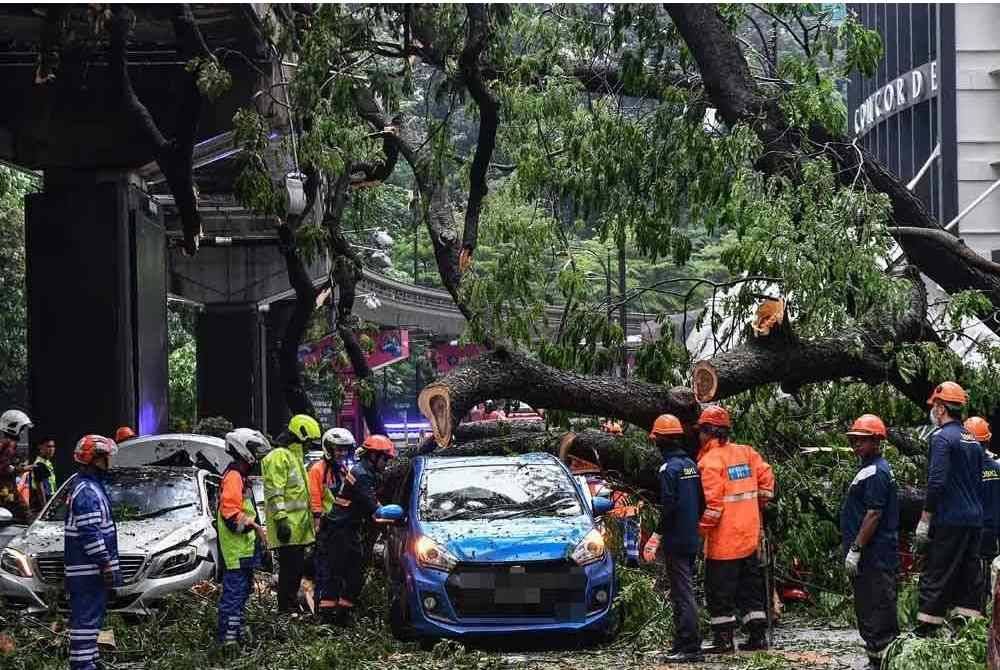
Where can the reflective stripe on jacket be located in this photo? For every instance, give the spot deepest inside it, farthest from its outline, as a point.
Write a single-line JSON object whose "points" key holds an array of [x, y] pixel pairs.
{"points": [[954, 477], [234, 519], [356, 501], [736, 482], [91, 543], [324, 479], [286, 495]]}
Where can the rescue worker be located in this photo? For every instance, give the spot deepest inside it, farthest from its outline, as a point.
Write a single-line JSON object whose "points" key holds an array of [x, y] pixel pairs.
{"points": [[989, 491], [737, 482], [325, 478], [90, 550], [682, 504], [42, 478], [952, 521], [869, 527], [12, 423], [355, 505], [286, 494], [123, 434], [241, 537]]}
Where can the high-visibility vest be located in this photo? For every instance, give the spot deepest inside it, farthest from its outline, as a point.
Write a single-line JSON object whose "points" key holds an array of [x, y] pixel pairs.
{"points": [[736, 481], [240, 543], [51, 478], [286, 495]]}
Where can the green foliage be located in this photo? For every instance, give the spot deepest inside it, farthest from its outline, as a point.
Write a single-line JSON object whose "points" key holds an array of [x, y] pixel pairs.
{"points": [[212, 78], [14, 185], [965, 651], [216, 426], [181, 368], [863, 47], [253, 186]]}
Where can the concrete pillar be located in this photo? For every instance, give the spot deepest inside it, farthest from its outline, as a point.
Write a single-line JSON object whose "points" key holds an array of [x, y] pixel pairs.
{"points": [[96, 293], [229, 365]]}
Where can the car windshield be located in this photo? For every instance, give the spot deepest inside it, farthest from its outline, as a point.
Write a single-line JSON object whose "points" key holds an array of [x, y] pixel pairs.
{"points": [[146, 493], [497, 492]]}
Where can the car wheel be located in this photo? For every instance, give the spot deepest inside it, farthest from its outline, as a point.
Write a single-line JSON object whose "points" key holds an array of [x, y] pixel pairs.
{"points": [[613, 627], [399, 615]]}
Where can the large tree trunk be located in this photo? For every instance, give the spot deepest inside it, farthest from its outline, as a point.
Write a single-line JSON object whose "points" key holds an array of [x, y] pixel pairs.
{"points": [[305, 302]]}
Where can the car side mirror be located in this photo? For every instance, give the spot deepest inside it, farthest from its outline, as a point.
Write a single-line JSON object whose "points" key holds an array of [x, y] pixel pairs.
{"points": [[602, 505], [390, 514]]}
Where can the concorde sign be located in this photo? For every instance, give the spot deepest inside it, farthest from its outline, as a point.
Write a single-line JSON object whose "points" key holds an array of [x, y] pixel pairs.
{"points": [[904, 91]]}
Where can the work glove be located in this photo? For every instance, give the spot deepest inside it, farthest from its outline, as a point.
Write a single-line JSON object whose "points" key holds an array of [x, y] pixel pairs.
{"points": [[652, 546], [284, 531], [852, 560], [923, 533]]}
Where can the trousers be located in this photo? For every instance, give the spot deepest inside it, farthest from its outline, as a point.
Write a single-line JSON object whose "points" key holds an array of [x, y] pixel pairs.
{"points": [[291, 565], [347, 563], [952, 577], [236, 585], [875, 607], [322, 553], [735, 587], [88, 599], [680, 571]]}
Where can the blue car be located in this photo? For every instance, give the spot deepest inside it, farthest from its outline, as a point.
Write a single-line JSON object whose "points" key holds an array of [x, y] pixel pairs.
{"points": [[497, 545]]}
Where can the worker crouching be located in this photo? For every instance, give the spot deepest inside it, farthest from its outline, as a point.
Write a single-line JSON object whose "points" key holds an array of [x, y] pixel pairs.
{"points": [[241, 537], [682, 503], [869, 526], [355, 505], [737, 482]]}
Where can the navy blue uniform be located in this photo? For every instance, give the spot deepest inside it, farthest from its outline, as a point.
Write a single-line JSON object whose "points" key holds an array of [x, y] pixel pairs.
{"points": [[874, 488], [682, 502], [354, 505], [990, 492], [952, 580]]}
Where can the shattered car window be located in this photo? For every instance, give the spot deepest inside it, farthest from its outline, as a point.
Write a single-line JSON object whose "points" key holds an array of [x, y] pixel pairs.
{"points": [[497, 492], [143, 493]]}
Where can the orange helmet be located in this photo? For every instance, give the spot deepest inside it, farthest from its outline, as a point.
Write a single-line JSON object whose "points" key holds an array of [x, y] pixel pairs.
{"points": [[91, 446], [124, 433], [380, 443], [979, 428], [666, 424], [949, 393], [868, 425], [715, 415]]}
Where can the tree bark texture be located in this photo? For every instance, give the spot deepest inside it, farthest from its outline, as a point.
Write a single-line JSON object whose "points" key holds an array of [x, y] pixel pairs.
{"points": [[292, 384]]}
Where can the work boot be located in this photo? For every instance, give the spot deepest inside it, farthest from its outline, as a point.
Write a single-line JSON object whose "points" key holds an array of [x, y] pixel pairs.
{"points": [[694, 656], [722, 643], [756, 642]]}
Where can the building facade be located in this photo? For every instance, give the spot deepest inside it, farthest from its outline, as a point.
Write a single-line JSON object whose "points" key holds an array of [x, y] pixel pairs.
{"points": [[931, 113]]}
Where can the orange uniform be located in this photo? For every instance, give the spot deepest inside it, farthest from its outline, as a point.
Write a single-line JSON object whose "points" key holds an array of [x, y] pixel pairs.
{"points": [[319, 476], [231, 501], [737, 482]]}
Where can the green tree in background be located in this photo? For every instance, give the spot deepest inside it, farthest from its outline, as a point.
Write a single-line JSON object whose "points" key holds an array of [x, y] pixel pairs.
{"points": [[14, 185]]}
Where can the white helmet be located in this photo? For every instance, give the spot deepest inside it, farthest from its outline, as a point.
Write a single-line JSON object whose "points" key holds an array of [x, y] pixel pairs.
{"points": [[247, 444], [337, 437], [13, 421]]}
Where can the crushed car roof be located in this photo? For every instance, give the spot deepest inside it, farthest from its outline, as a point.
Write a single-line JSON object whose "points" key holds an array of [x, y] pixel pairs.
{"points": [[438, 462]]}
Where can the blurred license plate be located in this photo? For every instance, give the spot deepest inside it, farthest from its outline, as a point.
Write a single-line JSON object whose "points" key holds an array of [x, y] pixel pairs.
{"points": [[517, 596]]}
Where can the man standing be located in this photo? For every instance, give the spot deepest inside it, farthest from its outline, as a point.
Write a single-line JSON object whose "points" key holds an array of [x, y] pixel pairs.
{"points": [[737, 482], [355, 505], [241, 537], [952, 521], [682, 503], [90, 550], [289, 522], [12, 423], [325, 479], [989, 490], [42, 478], [869, 527]]}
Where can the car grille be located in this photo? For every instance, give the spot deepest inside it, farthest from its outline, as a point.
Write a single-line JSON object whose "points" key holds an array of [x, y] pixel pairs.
{"points": [[50, 567], [549, 589]]}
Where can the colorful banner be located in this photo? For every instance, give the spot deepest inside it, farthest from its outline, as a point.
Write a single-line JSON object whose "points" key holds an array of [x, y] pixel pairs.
{"points": [[446, 356], [391, 346]]}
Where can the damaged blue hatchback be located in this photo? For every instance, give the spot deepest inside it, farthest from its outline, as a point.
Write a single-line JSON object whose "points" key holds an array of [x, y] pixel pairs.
{"points": [[497, 545]]}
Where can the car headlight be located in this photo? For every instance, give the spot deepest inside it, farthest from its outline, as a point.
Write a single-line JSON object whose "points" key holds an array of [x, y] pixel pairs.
{"points": [[15, 563], [589, 549], [174, 562], [430, 554]]}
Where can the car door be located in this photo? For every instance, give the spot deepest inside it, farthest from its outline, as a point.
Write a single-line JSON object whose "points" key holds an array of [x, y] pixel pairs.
{"points": [[211, 486]]}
